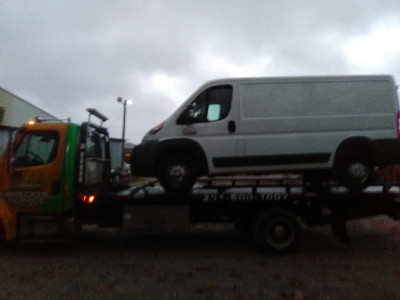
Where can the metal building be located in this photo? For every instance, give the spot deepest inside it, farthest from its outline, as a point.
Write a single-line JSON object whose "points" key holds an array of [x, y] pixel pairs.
{"points": [[15, 111]]}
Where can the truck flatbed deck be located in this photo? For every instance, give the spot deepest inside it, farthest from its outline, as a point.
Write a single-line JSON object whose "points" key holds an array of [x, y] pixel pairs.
{"points": [[271, 214]]}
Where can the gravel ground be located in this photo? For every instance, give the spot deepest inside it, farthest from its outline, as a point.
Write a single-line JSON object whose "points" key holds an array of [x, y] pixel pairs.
{"points": [[209, 262]]}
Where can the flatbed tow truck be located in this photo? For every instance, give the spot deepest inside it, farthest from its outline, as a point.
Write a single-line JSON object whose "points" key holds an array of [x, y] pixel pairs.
{"points": [[56, 177]]}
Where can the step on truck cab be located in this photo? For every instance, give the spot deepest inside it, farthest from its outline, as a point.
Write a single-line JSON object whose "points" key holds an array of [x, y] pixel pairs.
{"points": [[342, 126], [50, 170]]}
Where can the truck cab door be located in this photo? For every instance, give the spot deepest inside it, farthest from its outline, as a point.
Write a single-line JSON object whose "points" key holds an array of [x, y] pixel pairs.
{"points": [[36, 165]]}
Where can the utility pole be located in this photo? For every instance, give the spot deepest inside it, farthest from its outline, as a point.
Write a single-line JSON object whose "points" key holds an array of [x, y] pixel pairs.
{"points": [[124, 102]]}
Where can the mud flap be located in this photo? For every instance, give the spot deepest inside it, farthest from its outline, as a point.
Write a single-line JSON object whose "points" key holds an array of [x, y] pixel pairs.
{"points": [[8, 216], [339, 227]]}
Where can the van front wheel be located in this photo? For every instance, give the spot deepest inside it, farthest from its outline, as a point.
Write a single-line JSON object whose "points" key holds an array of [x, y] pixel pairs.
{"points": [[177, 173]]}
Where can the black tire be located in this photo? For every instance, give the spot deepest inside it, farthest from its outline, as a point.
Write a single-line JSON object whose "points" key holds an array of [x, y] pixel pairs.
{"points": [[177, 173], [277, 231], [355, 171]]}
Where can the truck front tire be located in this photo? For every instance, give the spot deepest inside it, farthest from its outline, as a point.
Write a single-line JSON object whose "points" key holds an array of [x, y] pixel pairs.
{"points": [[177, 173]]}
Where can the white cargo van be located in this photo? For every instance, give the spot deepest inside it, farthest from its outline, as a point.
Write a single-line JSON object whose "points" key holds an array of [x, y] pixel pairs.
{"points": [[346, 125]]}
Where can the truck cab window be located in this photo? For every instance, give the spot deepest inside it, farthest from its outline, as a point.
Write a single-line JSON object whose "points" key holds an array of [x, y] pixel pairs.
{"points": [[95, 146], [36, 148], [97, 157], [211, 105]]}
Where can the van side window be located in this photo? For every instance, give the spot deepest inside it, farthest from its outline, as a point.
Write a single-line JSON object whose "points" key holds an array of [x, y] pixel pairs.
{"points": [[211, 105]]}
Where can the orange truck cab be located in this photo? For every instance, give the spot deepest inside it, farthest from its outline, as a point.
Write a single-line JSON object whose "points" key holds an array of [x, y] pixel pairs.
{"points": [[47, 173]]}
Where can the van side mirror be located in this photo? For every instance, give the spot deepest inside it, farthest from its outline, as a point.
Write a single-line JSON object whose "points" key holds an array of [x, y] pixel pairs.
{"points": [[190, 115], [187, 116]]}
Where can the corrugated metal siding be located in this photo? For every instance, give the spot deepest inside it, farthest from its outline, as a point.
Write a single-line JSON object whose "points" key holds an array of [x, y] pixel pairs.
{"points": [[116, 153], [17, 111]]}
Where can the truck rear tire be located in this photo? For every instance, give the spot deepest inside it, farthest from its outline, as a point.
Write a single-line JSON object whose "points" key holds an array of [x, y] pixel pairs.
{"points": [[277, 231], [177, 174]]}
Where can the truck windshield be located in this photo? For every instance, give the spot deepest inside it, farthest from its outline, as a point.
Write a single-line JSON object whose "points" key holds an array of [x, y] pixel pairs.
{"points": [[36, 148]]}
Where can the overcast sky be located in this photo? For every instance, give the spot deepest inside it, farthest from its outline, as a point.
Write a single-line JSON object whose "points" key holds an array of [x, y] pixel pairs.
{"points": [[66, 56]]}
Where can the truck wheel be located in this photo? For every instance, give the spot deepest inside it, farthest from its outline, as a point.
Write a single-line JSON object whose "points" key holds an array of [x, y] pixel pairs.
{"points": [[177, 173], [355, 171], [277, 231]]}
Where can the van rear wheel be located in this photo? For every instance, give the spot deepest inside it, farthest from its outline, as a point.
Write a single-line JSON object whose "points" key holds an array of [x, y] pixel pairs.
{"points": [[177, 173], [355, 171]]}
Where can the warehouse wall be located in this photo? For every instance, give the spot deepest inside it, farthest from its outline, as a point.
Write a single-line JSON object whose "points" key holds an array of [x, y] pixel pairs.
{"points": [[15, 111], [6, 134]]}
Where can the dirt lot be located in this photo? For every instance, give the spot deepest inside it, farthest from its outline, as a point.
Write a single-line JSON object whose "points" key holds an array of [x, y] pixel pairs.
{"points": [[206, 263]]}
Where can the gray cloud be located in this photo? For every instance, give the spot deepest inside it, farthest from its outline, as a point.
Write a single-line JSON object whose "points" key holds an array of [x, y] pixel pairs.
{"points": [[66, 56]]}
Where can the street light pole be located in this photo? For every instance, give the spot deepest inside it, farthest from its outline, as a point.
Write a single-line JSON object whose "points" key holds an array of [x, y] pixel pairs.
{"points": [[124, 102], [123, 135]]}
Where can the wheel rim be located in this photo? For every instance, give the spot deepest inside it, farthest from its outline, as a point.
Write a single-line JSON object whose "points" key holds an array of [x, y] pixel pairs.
{"points": [[357, 172], [177, 174], [280, 234]]}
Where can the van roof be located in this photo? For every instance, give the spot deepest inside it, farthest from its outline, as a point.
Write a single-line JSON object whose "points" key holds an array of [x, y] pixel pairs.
{"points": [[302, 79]]}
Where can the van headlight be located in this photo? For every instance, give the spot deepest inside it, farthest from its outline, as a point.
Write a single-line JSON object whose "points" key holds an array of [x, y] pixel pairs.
{"points": [[155, 129]]}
